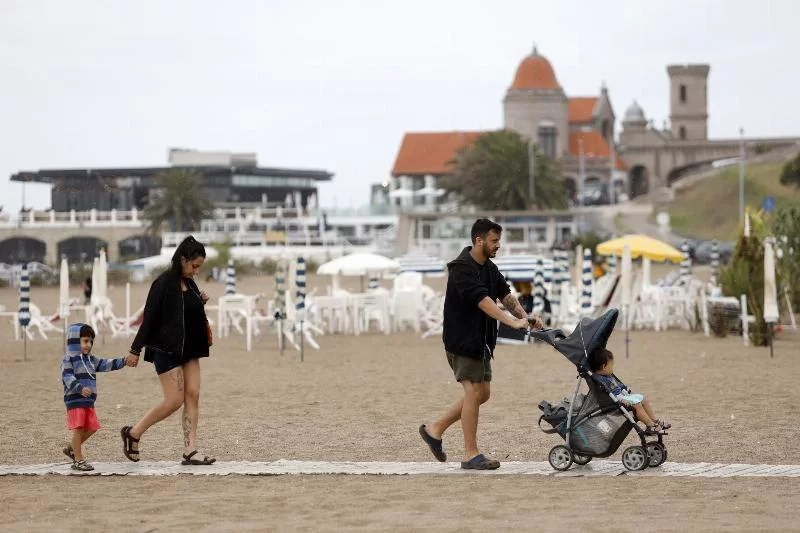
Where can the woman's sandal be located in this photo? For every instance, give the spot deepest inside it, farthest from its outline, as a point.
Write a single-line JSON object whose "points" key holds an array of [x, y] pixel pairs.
{"points": [[187, 459], [130, 444]]}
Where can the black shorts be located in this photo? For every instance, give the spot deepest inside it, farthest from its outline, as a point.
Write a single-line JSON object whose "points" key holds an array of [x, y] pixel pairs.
{"points": [[166, 361]]}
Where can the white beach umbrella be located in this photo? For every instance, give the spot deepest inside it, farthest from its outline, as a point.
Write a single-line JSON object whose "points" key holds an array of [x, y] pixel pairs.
{"points": [[771, 314], [63, 290], [359, 264]]}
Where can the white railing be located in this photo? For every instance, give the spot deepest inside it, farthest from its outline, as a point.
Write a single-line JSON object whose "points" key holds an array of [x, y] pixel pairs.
{"points": [[257, 238], [72, 219]]}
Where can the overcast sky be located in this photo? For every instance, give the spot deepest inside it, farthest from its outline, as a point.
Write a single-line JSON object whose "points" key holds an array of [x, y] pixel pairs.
{"points": [[334, 84]]}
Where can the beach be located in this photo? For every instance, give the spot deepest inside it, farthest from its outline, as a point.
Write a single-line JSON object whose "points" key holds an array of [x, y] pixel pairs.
{"points": [[363, 398]]}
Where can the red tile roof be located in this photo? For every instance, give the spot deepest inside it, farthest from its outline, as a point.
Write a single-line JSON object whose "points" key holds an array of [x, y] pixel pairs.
{"points": [[535, 72], [580, 108], [430, 153], [594, 145]]}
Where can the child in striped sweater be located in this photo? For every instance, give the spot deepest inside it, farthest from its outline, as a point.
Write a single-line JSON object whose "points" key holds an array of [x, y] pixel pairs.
{"points": [[78, 373]]}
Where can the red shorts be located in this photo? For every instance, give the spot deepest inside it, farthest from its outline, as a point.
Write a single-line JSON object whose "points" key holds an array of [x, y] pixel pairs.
{"points": [[83, 418]]}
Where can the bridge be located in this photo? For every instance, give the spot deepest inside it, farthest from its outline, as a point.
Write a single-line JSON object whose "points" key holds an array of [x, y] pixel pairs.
{"points": [[44, 236], [654, 167]]}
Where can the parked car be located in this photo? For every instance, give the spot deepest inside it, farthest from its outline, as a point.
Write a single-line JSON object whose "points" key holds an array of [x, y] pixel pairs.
{"points": [[702, 252]]}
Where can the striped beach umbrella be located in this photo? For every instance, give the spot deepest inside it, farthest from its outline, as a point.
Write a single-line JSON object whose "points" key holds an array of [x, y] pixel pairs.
{"points": [[230, 279], [549, 267], [538, 287], [714, 262], [686, 264], [555, 290], [300, 303], [586, 283], [374, 283], [280, 300], [25, 305]]}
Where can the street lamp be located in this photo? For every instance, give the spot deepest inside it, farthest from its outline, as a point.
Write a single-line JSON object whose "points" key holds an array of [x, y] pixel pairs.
{"points": [[741, 174]]}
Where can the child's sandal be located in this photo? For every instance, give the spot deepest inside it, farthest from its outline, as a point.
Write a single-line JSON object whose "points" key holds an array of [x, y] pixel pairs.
{"points": [[664, 425], [82, 466], [69, 453]]}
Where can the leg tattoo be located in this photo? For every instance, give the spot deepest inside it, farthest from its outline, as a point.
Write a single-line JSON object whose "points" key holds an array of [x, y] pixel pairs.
{"points": [[187, 427], [178, 378]]}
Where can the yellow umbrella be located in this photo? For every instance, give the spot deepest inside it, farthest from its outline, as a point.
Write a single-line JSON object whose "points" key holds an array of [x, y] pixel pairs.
{"points": [[641, 246]]}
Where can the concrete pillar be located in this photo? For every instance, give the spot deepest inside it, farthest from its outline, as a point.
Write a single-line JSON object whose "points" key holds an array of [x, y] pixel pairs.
{"points": [[72, 216], [550, 234], [93, 215], [134, 215], [113, 216], [52, 217]]}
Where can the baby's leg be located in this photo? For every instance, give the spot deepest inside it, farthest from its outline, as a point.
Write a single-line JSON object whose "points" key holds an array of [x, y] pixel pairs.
{"points": [[643, 415], [649, 410]]}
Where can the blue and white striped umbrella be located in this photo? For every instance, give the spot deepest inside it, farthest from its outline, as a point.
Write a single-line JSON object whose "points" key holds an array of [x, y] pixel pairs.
{"points": [[25, 298], [586, 278], [538, 287], [230, 279], [300, 284], [300, 304], [555, 290], [548, 278], [714, 262], [686, 264], [374, 283], [612, 264], [280, 290]]}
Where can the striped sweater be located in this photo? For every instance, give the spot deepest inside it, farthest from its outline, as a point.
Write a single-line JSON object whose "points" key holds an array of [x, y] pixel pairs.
{"points": [[79, 371]]}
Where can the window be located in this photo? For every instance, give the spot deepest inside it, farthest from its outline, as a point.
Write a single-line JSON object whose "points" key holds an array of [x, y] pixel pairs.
{"points": [[547, 140], [514, 235], [682, 133], [683, 93]]}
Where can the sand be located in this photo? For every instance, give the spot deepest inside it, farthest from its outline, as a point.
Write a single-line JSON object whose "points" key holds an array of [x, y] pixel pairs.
{"points": [[362, 398]]}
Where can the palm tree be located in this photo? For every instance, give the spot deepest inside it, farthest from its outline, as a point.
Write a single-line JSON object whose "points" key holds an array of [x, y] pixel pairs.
{"points": [[493, 174], [177, 201]]}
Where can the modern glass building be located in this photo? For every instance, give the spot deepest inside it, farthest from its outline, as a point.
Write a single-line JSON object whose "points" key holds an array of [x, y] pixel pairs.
{"points": [[122, 189]]}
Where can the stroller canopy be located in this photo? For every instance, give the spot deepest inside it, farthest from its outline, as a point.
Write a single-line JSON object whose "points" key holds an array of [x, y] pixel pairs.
{"points": [[591, 334]]}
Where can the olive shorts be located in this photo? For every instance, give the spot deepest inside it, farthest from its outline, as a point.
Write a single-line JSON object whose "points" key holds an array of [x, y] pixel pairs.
{"points": [[468, 369]]}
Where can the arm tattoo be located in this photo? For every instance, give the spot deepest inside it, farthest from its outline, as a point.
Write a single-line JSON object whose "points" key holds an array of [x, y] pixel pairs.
{"points": [[514, 307]]}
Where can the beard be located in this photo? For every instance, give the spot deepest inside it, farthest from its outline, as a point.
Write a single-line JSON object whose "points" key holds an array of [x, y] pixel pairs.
{"points": [[488, 252]]}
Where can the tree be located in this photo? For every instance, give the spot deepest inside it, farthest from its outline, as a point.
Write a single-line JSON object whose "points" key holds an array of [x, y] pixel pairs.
{"points": [[786, 227], [493, 174], [177, 201], [791, 172]]}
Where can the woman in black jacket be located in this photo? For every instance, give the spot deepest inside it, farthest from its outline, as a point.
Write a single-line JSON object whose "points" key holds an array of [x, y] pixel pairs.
{"points": [[174, 333]]}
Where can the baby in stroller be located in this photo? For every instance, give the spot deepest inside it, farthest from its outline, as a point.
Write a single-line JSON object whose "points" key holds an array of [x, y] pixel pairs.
{"points": [[595, 424], [602, 364]]}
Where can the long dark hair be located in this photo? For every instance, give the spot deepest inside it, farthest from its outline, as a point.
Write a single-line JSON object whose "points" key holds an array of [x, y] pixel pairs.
{"points": [[188, 249]]}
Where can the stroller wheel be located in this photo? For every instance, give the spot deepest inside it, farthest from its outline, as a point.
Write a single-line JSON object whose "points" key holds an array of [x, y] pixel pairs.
{"points": [[580, 459], [635, 458], [560, 457], [657, 453]]}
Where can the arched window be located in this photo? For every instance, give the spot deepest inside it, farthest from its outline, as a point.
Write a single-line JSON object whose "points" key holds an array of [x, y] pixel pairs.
{"points": [[547, 139], [683, 93]]}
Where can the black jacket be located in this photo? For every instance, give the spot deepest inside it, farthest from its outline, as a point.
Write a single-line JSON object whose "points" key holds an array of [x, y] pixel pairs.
{"points": [[162, 326], [467, 330]]}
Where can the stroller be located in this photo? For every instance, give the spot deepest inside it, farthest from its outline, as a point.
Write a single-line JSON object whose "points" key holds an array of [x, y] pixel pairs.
{"points": [[593, 424]]}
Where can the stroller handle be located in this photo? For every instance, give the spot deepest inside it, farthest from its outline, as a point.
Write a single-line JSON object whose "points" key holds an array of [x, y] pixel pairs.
{"points": [[550, 336]]}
